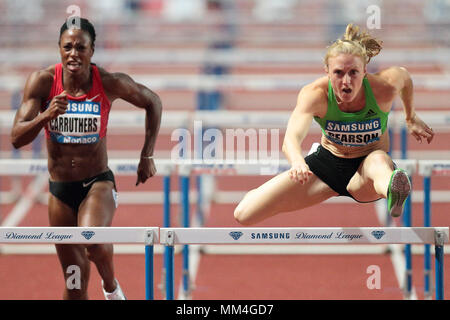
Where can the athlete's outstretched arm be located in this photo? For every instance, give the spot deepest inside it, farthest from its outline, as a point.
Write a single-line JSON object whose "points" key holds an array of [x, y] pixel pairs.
{"points": [[400, 78], [309, 99], [126, 88], [28, 121]]}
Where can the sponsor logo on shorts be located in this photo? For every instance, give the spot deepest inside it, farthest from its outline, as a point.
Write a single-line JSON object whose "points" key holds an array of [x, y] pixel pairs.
{"points": [[87, 184]]}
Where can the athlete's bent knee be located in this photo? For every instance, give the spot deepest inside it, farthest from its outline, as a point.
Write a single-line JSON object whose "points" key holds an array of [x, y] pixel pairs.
{"points": [[244, 211], [237, 214], [96, 252], [381, 157], [241, 216]]}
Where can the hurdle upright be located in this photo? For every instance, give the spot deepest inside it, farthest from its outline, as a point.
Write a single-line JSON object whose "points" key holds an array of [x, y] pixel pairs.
{"points": [[410, 166], [367, 235], [428, 168]]}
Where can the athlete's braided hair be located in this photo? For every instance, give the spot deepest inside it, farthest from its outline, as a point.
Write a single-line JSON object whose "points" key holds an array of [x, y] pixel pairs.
{"points": [[84, 24], [356, 42]]}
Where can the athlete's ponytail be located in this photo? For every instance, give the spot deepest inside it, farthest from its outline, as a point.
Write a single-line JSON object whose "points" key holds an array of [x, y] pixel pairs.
{"points": [[356, 42]]}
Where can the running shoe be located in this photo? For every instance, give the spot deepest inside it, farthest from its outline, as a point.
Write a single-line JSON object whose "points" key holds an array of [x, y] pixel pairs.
{"points": [[117, 294], [398, 191]]}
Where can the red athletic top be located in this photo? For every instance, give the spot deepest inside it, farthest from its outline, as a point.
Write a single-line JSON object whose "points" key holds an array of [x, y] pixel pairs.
{"points": [[86, 118]]}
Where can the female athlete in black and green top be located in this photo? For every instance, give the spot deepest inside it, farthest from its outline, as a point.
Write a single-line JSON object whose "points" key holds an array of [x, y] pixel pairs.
{"points": [[352, 108]]}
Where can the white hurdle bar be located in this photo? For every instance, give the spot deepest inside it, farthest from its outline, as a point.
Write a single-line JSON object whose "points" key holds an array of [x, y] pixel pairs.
{"points": [[172, 236], [233, 119], [186, 168], [147, 236], [367, 235], [23, 167]]}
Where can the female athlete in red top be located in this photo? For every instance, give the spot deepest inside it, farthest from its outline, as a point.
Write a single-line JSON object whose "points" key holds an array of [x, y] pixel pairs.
{"points": [[71, 101]]}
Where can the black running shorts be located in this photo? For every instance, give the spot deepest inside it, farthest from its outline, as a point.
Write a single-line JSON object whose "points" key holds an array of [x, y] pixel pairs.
{"points": [[73, 193], [334, 171]]}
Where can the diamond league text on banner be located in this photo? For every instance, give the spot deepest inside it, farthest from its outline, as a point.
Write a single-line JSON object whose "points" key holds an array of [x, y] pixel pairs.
{"points": [[37, 236], [236, 235], [38, 168], [45, 236]]}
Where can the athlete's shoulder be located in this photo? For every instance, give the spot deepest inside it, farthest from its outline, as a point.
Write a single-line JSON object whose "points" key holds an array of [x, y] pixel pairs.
{"points": [[39, 83], [382, 86], [111, 80], [319, 84], [44, 76], [391, 76], [391, 73], [317, 87], [117, 84], [316, 90], [105, 76], [313, 97]]}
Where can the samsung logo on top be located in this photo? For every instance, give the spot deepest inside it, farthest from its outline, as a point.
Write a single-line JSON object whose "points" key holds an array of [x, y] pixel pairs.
{"points": [[87, 107]]}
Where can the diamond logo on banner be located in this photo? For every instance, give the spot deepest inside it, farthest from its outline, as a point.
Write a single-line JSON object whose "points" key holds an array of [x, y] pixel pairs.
{"points": [[88, 234], [236, 234], [378, 234]]}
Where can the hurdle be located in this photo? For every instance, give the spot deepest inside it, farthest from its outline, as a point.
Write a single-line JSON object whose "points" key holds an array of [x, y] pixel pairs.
{"points": [[147, 236], [268, 167], [366, 235], [120, 167], [184, 169]]}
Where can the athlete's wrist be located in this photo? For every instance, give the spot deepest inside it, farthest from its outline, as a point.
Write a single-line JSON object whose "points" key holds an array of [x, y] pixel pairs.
{"points": [[298, 162], [410, 118]]}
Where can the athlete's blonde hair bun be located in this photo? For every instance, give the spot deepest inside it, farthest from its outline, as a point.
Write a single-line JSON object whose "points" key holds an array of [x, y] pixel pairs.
{"points": [[357, 42]]}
